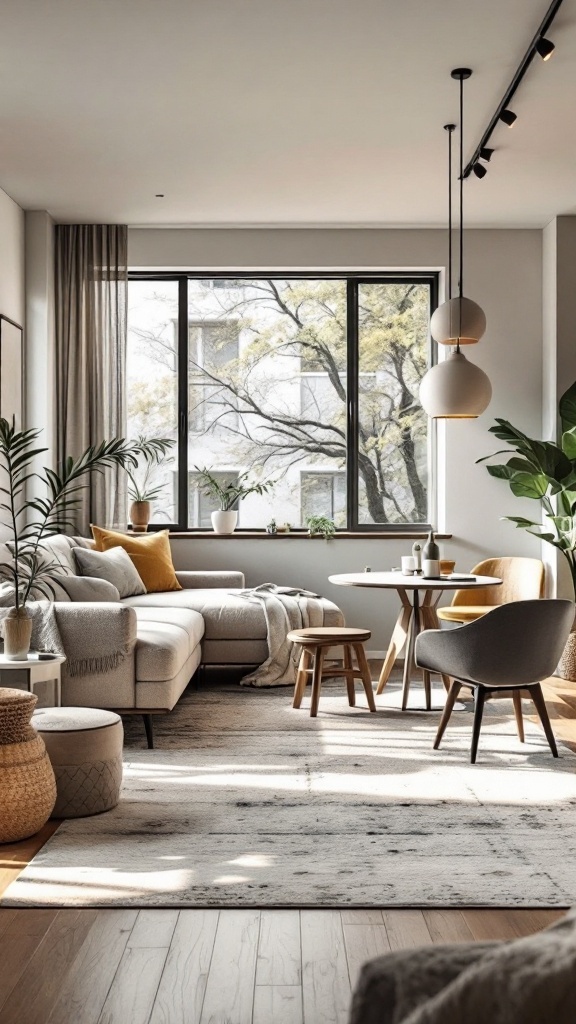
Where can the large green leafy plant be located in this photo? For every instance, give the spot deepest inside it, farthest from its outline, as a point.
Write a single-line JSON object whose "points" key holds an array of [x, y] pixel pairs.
{"points": [[546, 472], [31, 520]]}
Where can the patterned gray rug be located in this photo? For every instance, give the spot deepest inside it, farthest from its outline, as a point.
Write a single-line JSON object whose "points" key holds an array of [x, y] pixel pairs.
{"points": [[248, 803]]}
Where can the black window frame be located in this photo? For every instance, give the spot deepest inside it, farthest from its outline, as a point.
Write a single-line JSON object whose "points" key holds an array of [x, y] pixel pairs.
{"points": [[353, 282]]}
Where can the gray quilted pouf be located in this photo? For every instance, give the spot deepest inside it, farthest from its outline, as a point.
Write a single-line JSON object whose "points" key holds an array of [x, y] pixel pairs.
{"points": [[85, 748]]}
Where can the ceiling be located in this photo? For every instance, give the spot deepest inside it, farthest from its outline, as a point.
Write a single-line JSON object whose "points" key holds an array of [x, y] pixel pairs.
{"points": [[280, 112]]}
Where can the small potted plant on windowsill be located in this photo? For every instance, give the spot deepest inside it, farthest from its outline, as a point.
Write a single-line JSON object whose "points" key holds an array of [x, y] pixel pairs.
{"points": [[224, 520], [142, 490], [320, 525]]}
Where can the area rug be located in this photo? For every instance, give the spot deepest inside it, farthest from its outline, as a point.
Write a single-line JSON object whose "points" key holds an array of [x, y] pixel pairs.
{"points": [[247, 803]]}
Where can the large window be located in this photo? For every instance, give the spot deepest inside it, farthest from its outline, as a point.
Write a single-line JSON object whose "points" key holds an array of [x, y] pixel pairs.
{"points": [[309, 382]]}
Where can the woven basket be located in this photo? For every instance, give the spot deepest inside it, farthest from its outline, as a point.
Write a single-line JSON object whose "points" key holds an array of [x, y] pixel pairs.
{"points": [[27, 784]]}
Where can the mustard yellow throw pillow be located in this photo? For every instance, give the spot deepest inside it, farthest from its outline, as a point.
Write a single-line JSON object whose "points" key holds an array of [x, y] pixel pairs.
{"points": [[151, 556]]}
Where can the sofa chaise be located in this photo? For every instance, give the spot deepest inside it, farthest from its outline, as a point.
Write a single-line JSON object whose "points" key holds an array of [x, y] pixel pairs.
{"points": [[164, 636]]}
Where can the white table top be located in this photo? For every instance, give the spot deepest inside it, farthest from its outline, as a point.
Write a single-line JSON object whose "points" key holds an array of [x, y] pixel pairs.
{"points": [[34, 658], [397, 581]]}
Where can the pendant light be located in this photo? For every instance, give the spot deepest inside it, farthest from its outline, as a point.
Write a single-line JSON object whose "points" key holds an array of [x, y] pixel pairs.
{"points": [[456, 388], [458, 320]]}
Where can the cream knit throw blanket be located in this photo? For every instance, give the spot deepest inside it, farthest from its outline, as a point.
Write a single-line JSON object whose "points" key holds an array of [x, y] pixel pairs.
{"points": [[46, 637], [285, 608]]}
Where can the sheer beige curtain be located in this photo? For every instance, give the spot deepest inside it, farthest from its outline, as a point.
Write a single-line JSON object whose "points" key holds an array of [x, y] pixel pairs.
{"points": [[91, 286]]}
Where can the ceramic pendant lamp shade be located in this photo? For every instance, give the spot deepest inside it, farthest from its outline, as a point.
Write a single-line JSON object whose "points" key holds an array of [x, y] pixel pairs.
{"points": [[458, 320], [455, 389]]}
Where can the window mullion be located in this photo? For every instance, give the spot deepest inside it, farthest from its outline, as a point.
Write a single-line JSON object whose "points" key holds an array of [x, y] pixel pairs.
{"points": [[352, 404], [183, 388]]}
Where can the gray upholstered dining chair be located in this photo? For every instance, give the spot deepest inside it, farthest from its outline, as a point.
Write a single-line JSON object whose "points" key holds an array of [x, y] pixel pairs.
{"points": [[510, 649]]}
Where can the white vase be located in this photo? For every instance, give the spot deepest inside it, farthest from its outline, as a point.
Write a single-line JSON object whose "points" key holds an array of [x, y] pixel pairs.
{"points": [[224, 522]]}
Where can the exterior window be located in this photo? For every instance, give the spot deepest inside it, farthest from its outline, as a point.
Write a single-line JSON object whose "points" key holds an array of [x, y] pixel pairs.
{"points": [[311, 383], [324, 494]]}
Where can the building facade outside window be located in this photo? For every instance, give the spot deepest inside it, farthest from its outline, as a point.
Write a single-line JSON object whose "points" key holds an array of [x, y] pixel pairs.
{"points": [[309, 382]]}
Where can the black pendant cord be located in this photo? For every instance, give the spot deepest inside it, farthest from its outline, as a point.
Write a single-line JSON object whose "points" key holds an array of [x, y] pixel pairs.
{"points": [[461, 275], [449, 128], [461, 74]]}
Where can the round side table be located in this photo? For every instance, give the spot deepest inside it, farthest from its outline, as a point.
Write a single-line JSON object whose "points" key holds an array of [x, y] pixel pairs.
{"points": [[39, 674]]}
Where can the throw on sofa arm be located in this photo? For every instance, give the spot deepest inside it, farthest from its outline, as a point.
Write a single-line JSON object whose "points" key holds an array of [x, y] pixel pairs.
{"points": [[109, 626], [211, 580]]}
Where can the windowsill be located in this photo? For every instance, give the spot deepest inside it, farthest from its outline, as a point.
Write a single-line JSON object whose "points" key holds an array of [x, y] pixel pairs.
{"points": [[302, 535]]}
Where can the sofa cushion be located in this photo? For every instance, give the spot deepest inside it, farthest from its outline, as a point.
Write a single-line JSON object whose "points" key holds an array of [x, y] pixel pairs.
{"points": [[115, 566], [150, 553], [226, 616], [167, 637]]}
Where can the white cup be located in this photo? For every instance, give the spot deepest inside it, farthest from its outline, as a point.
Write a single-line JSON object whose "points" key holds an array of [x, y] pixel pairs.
{"points": [[408, 565], [431, 567]]}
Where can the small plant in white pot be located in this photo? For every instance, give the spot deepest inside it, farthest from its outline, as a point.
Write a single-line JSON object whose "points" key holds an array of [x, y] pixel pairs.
{"points": [[225, 519], [142, 490]]}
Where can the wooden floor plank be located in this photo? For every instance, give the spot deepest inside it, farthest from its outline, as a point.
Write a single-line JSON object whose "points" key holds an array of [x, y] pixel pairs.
{"points": [[279, 958], [133, 991], [447, 926], [153, 928], [183, 984], [33, 998], [230, 987], [406, 929], [20, 940], [363, 942], [325, 981], [527, 922], [15, 856], [88, 982], [361, 916], [278, 1004], [486, 925]]}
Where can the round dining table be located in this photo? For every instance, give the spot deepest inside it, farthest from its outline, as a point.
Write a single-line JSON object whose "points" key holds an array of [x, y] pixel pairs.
{"points": [[415, 615]]}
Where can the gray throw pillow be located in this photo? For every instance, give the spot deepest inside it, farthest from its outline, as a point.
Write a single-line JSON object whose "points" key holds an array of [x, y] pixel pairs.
{"points": [[89, 588], [115, 566]]}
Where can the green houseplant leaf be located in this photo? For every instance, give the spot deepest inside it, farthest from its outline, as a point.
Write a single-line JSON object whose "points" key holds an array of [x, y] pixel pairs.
{"points": [[546, 472]]}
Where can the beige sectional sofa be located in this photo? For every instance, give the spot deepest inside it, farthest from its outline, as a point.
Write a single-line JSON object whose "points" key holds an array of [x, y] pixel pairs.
{"points": [[164, 636]]}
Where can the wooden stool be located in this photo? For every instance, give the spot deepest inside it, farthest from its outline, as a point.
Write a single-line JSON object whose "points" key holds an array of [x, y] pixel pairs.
{"points": [[314, 644]]}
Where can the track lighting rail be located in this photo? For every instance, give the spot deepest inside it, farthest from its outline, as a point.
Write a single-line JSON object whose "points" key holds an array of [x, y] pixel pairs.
{"points": [[535, 49]]}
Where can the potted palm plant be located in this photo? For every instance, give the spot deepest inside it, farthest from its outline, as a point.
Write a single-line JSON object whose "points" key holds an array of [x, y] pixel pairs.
{"points": [[228, 495], [546, 472], [141, 489], [29, 521]]}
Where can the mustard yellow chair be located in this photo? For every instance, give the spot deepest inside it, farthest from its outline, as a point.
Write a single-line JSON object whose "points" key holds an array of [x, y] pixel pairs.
{"points": [[523, 580]]}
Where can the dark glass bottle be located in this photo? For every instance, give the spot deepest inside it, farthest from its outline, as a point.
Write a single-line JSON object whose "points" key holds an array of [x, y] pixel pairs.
{"points": [[431, 551]]}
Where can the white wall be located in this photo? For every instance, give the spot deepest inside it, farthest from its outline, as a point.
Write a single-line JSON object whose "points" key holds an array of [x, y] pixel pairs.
{"points": [[12, 303], [504, 274], [11, 259], [40, 390]]}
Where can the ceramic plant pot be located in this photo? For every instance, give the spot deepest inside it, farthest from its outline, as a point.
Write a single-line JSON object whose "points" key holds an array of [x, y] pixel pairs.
{"points": [[224, 522], [17, 629], [140, 516]]}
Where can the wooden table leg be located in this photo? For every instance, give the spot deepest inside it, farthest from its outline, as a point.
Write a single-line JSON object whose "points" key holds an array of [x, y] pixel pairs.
{"points": [[348, 667], [302, 676], [397, 641], [409, 652], [365, 674], [316, 680]]}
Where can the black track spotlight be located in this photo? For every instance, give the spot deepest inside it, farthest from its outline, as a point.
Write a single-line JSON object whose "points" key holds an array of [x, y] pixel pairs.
{"points": [[545, 48], [508, 116], [486, 154], [479, 170]]}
